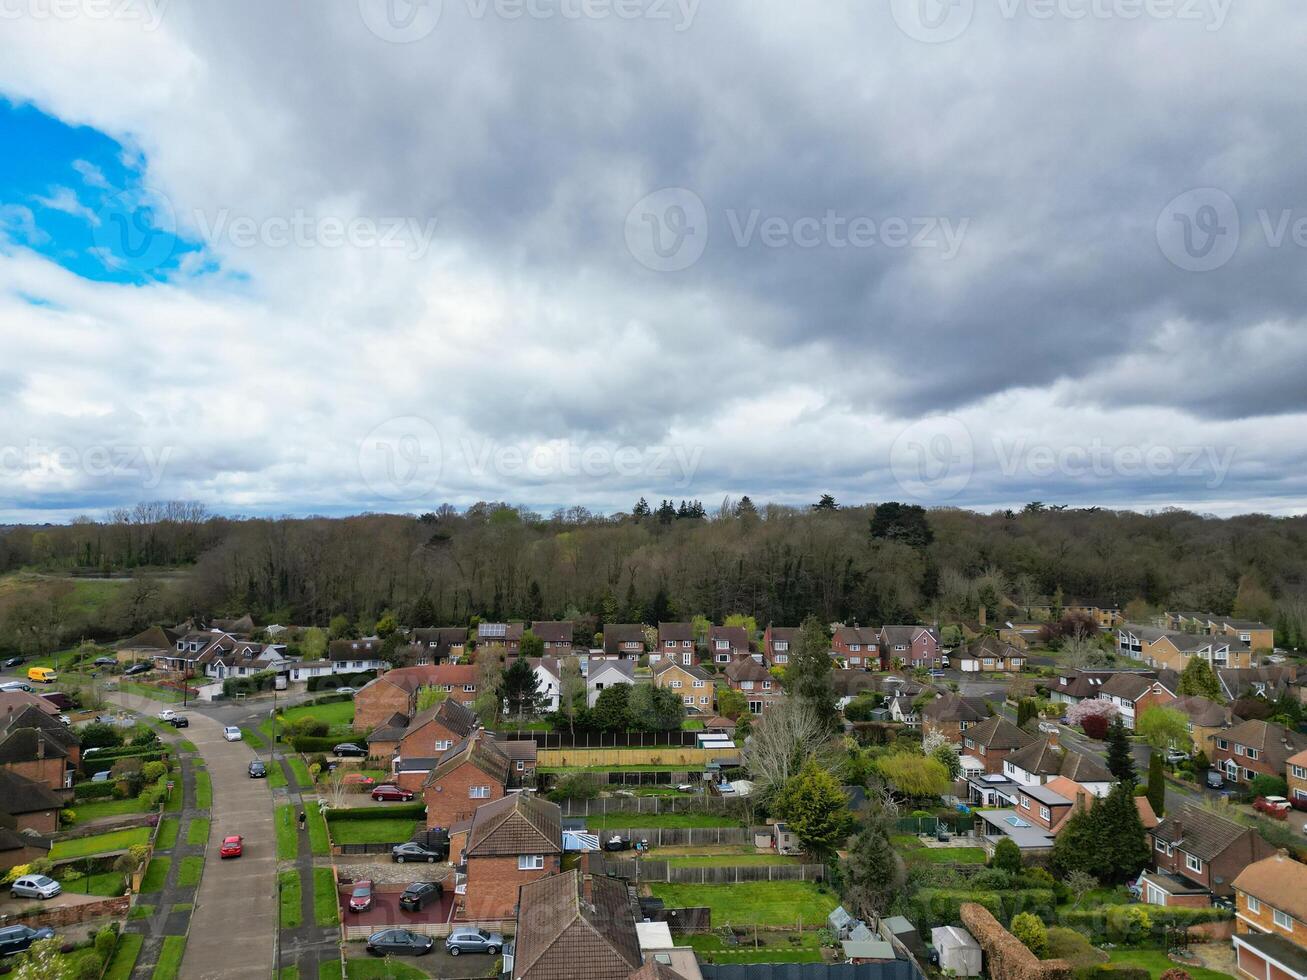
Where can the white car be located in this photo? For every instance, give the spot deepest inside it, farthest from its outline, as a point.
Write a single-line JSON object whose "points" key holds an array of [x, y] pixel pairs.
{"points": [[1048, 728], [34, 886], [167, 714], [231, 733], [347, 690]]}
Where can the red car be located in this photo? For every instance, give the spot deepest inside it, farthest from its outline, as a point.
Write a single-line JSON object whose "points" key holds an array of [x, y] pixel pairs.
{"points": [[1273, 806], [356, 779], [231, 847], [360, 899], [392, 793]]}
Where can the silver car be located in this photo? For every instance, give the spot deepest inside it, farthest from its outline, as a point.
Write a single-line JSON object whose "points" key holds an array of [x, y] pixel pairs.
{"points": [[474, 941], [34, 886]]}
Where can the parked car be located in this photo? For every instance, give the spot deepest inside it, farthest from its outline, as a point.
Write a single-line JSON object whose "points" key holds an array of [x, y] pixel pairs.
{"points": [[1214, 779], [399, 942], [13, 662], [1048, 728], [1299, 802], [231, 733], [351, 691], [474, 941], [413, 851], [15, 939], [105, 662], [232, 847], [389, 792], [17, 686], [167, 714], [179, 721], [258, 770], [617, 843], [349, 749], [141, 668], [34, 886], [1273, 806], [360, 899], [1175, 757], [685, 787], [102, 777], [42, 675], [420, 894]]}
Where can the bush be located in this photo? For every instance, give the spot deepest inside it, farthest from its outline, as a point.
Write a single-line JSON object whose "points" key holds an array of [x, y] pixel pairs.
{"points": [[153, 771], [1067, 944], [1269, 786], [1111, 923], [575, 786], [100, 736], [311, 743], [67, 817], [92, 791], [1007, 856], [105, 941], [1175, 973], [1031, 931], [414, 810]]}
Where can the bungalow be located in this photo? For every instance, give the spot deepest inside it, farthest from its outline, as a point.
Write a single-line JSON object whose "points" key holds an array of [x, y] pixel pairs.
{"points": [[989, 654], [1133, 694], [556, 635], [777, 644], [605, 673], [916, 646], [150, 644], [953, 714], [1254, 748], [675, 642], [625, 640], [1270, 941], [992, 741], [507, 845], [438, 644], [857, 646], [502, 638], [355, 656], [693, 684], [727, 643], [573, 927], [1198, 854], [230, 657], [755, 681]]}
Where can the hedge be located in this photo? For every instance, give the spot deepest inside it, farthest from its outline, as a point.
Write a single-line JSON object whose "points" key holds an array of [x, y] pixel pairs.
{"points": [[93, 791], [146, 753], [941, 906], [1107, 971], [313, 743], [1102, 925], [414, 810]]}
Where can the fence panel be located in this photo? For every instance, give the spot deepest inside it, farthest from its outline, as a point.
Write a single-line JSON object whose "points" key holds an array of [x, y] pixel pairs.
{"points": [[727, 874], [681, 836], [644, 804], [602, 740]]}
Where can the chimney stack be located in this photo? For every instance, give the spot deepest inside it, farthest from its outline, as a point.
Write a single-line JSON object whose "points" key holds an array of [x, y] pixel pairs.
{"points": [[1054, 739], [40, 747]]}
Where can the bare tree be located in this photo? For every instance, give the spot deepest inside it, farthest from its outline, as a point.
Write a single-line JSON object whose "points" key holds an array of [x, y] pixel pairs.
{"points": [[787, 735]]}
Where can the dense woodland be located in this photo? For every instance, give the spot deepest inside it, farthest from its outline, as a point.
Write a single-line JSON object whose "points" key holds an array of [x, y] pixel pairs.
{"points": [[868, 564]]}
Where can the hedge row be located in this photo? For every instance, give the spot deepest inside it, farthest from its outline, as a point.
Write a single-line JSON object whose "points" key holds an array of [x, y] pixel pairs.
{"points": [[313, 743], [93, 791], [1107, 924], [155, 751], [414, 810], [941, 906]]}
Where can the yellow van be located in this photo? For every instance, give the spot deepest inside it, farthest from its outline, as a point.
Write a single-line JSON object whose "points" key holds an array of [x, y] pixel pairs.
{"points": [[42, 675]]}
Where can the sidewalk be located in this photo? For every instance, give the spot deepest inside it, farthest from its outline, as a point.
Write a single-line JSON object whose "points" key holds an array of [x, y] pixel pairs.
{"points": [[309, 945]]}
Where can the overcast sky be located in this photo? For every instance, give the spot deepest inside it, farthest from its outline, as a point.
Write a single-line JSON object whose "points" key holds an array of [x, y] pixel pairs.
{"points": [[330, 257]]}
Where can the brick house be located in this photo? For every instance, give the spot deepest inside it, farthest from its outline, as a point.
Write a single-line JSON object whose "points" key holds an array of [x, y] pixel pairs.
{"points": [[992, 741], [1271, 683], [1254, 748], [507, 844], [1133, 694], [556, 636], [34, 806], [989, 654], [692, 684], [1258, 636], [35, 754], [857, 646], [916, 646], [19, 846], [1295, 774], [474, 772], [1206, 719], [433, 732], [504, 639], [1198, 854], [755, 682], [675, 642], [625, 640], [1173, 650], [1270, 941], [573, 927], [728, 643], [778, 643], [438, 644], [953, 714], [1045, 759], [395, 691]]}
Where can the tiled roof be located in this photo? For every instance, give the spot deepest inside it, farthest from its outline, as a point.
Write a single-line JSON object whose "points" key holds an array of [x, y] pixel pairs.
{"points": [[519, 823], [11, 838], [1084, 768], [616, 634], [694, 670], [1202, 711], [1200, 832], [562, 936], [365, 649], [1276, 947], [500, 632], [23, 795], [998, 733], [21, 745], [865, 635], [1280, 881], [480, 750], [955, 707], [677, 632], [991, 646], [1274, 742], [453, 715], [553, 631], [747, 669]]}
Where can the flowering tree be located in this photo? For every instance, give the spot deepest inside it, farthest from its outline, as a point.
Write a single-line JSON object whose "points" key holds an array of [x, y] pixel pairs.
{"points": [[1092, 715]]}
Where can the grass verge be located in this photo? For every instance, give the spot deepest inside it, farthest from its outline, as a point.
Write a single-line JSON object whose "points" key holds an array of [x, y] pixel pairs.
{"points": [[141, 911], [167, 836], [170, 958], [289, 882], [288, 841], [156, 874], [326, 906], [300, 771], [124, 956], [317, 824], [203, 790], [191, 869], [197, 831]]}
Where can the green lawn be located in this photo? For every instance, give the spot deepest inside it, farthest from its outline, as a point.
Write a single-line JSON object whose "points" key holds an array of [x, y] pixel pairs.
{"points": [[165, 695], [620, 821], [251, 737], [170, 958], [724, 860], [383, 969], [388, 831], [336, 713], [189, 875], [1156, 962], [290, 899], [203, 790], [182, 907], [156, 874], [330, 970], [119, 840], [317, 825], [197, 831], [186, 745], [276, 776], [300, 771], [287, 833], [289, 973], [711, 948], [326, 907], [167, 836], [95, 809], [124, 956], [764, 903], [141, 911], [947, 855], [108, 883]]}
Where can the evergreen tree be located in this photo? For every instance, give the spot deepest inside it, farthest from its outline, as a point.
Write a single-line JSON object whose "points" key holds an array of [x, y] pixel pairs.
{"points": [[531, 645], [745, 509], [814, 806], [610, 710], [666, 512], [1122, 840], [1074, 846], [808, 673], [661, 610], [827, 502], [641, 509], [1156, 784], [1119, 760], [1007, 856], [535, 601], [1199, 678], [873, 874], [423, 613], [907, 523], [1026, 709], [520, 688]]}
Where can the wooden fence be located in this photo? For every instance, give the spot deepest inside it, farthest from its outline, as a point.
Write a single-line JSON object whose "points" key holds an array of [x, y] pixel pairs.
{"points": [[720, 874], [691, 803], [682, 836], [601, 740], [684, 921]]}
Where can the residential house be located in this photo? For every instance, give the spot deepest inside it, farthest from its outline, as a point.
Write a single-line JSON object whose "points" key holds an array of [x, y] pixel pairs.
{"points": [[1045, 760], [1076, 685], [1040, 812], [952, 714], [383, 740], [624, 640], [692, 684], [857, 647], [556, 635], [438, 643], [507, 844], [33, 805], [228, 656], [12, 702], [605, 673], [549, 679], [1133, 694], [37, 755], [728, 643], [1106, 613], [474, 771], [356, 656], [1198, 854], [1270, 941], [504, 639], [395, 691], [991, 741], [916, 646], [1206, 719], [1271, 683], [675, 642], [778, 643], [989, 654], [1020, 633], [1173, 650], [1295, 774], [902, 711], [434, 731], [755, 682], [1254, 748], [20, 846], [1257, 635], [573, 927], [149, 645]]}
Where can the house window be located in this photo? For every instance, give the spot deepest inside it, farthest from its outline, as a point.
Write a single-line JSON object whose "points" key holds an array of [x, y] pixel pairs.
{"points": [[1252, 754], [755, 707], [1238, 750], [746, 685], [1025, 803], [1163, 847], [1043, 813], [1254, 905], [685, 659], [698, 683], [766, 685], [782, 658], [1222, 743], [1193, 864], [530, 862], [780, 645], [1299, 772], [988, 661], [478, 792], [705, 699], [722, 645], [521, 766], [469, 688], [688, 699], [676, 685], [899, 646], [1282, 919], [444, 744], [855, 647]]}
